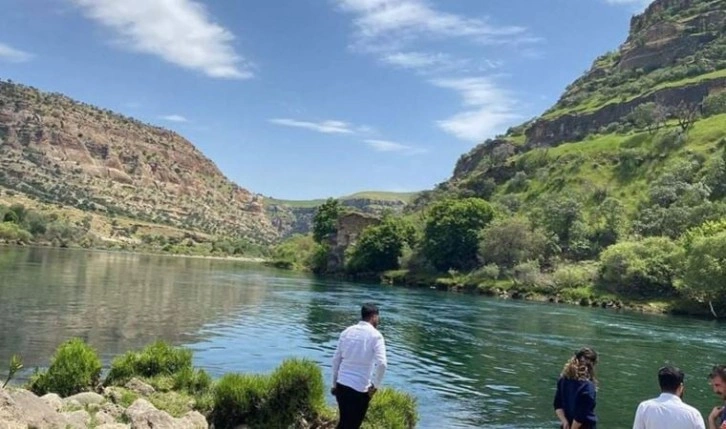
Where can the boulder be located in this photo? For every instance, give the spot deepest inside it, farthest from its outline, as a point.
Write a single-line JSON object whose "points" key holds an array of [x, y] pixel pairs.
{"points": [[86, 398], [143, 415], [71, 405], [194, 420], [114, 394], [112, 410], [78, 419], [26, 409], [53, 400], [138, 386]]}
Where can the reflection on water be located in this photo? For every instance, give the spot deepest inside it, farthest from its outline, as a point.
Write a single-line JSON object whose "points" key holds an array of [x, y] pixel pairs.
{"points": [[470, 362]]}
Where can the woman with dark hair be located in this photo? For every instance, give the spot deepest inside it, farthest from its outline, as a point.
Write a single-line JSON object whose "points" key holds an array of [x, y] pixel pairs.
{"points": [[576, 390]]}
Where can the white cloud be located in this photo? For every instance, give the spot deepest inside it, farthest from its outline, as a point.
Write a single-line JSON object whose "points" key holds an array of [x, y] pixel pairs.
{"points": [[389, 146], [490, 108], [10, 54], [325, 127], [402, 19], [174, 118], [179, 31], [424, 61]]}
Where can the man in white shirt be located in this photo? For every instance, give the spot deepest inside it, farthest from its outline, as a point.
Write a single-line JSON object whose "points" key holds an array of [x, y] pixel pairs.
{"points": [[360, 348], [668, 411]]}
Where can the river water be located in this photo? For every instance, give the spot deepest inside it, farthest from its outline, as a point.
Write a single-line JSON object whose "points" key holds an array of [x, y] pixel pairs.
{"points": [[470, 361]]}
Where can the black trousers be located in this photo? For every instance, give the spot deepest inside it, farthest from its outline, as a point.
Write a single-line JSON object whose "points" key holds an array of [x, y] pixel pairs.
{"points": [[352, 405]]}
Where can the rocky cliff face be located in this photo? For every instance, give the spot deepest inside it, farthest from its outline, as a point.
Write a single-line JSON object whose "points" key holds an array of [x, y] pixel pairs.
{"points": [[62, 151], [675, 52]]}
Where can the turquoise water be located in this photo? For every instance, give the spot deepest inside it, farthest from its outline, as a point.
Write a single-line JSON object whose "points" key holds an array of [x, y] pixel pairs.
{"points": [[470, 361]]}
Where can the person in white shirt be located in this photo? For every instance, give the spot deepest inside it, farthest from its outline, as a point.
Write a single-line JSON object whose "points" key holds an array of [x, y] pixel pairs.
{"points": [[360, 348], [668, 411]]}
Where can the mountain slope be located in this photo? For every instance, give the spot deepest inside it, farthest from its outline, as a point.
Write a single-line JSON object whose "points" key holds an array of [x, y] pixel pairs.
{"points": [[591, 145], [62, 151]]}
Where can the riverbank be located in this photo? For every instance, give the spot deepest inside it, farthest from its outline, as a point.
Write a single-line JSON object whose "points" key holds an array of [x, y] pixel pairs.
{"points": [[146, 251], [159, 387]]}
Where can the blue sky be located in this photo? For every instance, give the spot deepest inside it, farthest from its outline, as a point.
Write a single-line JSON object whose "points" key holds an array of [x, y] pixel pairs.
{"points": [[303, 99]]}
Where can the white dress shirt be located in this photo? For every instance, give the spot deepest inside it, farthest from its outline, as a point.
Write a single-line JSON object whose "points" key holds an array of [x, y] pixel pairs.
{"points": [[360, 347], [667, 412]]}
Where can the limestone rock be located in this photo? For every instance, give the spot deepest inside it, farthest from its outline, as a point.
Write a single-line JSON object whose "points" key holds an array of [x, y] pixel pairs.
{"points": [[194, 420], [86, 398], [55, 401], [78, 419], [113, 426], [71, 405], [112, 410], [143, 415], [138, 386], [24, 408], [114, 394]]}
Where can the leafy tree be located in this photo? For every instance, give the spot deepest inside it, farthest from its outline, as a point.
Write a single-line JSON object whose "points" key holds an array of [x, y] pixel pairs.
{"points": [[325, 221], [511, 241], [645, 116], [643, 269], [562, 217], [380, 247], [451, 233], [610, 222], [686, 114], [715, 104], [705, 268]]}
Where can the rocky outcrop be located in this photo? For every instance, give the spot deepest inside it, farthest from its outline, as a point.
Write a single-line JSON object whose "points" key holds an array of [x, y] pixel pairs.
{"points": [[349, 227], [61, 151], [575, 127], [21, 409]]}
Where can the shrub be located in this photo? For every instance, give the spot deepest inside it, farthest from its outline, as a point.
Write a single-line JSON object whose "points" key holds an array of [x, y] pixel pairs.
{"points": [[238, 399], [706, 229], [296, 390], [156, 359], [642, 269], [714, 104], [574, 276], [390, 409], [192, 381], [74, 368], [511, 241], [10, 231], [488, 272], [527, 274], [452, 230], [705, 267], [379, 247]]}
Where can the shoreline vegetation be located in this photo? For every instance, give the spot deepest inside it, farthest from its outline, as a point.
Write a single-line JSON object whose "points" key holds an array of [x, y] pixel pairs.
{"points": [[158, 386]]}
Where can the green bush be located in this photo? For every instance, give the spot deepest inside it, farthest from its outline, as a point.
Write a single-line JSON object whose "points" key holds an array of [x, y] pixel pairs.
{"points": [[707, 229], [379, 247], [705, 268], [297, 390], [528, 274], [390, 409], [714, 104], [10, 231], [74, 368], [156, 359], [488, 272], [511, 241], [192, 381], [452, 231], [239, 399], [574, 276], [641, 269]]}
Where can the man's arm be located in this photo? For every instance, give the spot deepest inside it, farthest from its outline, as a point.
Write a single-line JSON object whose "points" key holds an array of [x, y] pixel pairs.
{"points": [[714, 417], [337, 359], [380, 360], [639, 422]]}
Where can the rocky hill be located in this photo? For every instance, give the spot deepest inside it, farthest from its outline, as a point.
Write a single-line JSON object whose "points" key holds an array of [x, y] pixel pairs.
{"points": [[296, 217], [671, 70], [61, 151]]}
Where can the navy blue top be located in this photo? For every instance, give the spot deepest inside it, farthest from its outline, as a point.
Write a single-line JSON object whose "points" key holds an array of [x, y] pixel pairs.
{"points": [[577, 399]]}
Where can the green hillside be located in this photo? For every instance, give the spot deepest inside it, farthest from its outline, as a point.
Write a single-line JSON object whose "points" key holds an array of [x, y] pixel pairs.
{"points": [[405, 197]]}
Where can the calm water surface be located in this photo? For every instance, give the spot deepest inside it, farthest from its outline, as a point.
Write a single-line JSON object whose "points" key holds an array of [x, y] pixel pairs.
{"points": [[470, 361]]}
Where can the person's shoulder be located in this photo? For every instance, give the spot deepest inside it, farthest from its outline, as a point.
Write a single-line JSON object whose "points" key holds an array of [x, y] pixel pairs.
{"points": [[693, 411]]}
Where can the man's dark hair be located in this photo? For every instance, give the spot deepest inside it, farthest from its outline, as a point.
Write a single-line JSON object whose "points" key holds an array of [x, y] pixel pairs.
{"points": [[670, 379], [367, 311], [718, 371]]}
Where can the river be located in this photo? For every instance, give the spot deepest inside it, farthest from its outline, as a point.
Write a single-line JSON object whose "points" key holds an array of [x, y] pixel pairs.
{"points": [[470, 361]]}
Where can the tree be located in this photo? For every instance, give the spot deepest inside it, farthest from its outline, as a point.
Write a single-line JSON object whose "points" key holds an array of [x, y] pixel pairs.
{"points": [[643, 269], [379, 247], [560, 216], [512, 241], [325, 221], [686, 114], [451, 233], [643, 116], [705, 268]]}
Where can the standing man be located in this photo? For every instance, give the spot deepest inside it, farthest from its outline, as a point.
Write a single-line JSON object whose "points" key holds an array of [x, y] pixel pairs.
{"points": [[668, 411], [717, 418], [360, 348]]}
